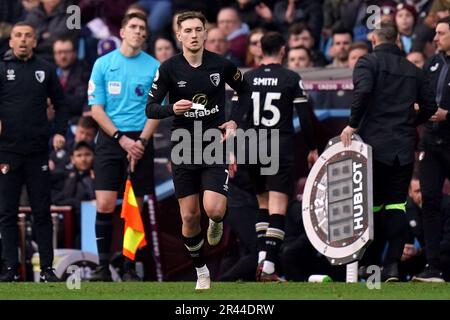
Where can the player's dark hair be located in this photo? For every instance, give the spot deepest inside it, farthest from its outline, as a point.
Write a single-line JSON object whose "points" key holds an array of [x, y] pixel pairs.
{"points": [[271, 43], [130, 16], [183, 16], [23, 24], [387, 33]]}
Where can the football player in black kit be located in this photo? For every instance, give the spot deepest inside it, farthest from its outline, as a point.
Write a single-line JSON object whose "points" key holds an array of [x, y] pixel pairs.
{"points": [[275, 91], [195, 82]]}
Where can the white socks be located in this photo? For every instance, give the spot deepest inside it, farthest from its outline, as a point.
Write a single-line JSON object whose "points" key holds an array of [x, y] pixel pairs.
{"points": [[268, 267], [202, 270], [261, 256]]}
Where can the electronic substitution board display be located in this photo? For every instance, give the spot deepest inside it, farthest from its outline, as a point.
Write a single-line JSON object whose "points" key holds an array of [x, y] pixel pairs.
{"points": [[337, 201]]}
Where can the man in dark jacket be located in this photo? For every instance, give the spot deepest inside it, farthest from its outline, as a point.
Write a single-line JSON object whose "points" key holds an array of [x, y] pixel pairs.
{"points": [[50, 22], [435, 155], [25, 84], [382, 112], [73, 76]]}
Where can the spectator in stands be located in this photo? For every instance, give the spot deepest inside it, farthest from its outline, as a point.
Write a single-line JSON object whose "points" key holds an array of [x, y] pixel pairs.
{"points": [[341, 14], [29, 5], [5, 30], [287, 12], [49, 20], [160, 14], [301, 35], [416, 57], [104, 17], [217, 42], [78, 185], [405, 17], [388, 11], [73, 76], [256, 14], [11, 11], [340, 98], [59, 162], [254, 52], [299, 58], [356, 51], [164, 48], [230, 23], [342, 39], [426, 22], [440, 9]]}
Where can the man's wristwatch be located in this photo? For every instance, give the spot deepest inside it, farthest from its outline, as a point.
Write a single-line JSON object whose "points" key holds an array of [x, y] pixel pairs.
{"points": [[143, 141], [117, 135]]}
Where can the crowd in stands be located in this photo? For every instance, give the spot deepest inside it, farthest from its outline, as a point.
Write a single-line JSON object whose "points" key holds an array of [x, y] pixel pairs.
{"points": [[318, 34]]}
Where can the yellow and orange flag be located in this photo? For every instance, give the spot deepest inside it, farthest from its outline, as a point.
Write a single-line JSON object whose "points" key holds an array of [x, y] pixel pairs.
{"points": [[134, 234]]}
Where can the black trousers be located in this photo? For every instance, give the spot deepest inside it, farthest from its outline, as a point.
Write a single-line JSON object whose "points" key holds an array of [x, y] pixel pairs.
{"points": [[390, 191], [31, 170], [434, 168]]}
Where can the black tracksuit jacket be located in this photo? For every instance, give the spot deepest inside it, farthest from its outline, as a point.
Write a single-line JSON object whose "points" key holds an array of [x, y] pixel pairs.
{"points": [[386, 88], [437, 70], [24, 89]]}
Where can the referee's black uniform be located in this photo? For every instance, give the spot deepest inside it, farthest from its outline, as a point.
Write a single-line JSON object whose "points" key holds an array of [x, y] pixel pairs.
{"points": [[24, 146], [435, 164], [386, 88]]}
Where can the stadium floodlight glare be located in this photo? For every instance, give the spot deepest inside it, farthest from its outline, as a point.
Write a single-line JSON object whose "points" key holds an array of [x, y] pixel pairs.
{"points": [[337, 201]]}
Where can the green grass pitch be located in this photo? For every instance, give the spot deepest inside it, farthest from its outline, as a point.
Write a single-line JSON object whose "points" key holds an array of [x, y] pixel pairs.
{"points": [[224, 291]]}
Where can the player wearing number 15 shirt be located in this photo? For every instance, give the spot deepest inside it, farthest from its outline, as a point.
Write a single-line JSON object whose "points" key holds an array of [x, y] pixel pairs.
{"points": [[275, 92]]}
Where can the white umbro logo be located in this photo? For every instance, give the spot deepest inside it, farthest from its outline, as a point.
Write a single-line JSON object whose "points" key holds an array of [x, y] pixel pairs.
{"points": [[10, 75], [181, 84]]}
